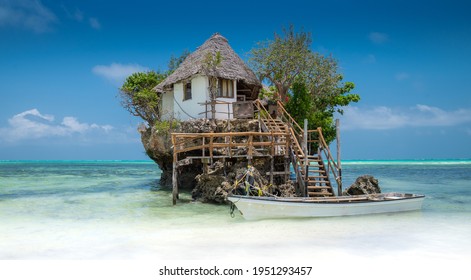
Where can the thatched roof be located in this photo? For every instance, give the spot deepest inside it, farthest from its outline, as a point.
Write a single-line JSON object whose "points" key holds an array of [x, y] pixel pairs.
{"points": [[232, 67]]}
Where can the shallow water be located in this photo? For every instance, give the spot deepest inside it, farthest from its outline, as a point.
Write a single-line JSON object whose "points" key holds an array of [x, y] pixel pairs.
{"points": [[116, 210]]}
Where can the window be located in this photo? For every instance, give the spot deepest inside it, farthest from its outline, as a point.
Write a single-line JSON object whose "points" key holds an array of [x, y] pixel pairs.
{"points": [[187, 91], [226, 88]]}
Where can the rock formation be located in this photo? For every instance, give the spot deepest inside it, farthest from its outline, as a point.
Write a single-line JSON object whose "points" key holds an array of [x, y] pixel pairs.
{"points": [[365, 184]]}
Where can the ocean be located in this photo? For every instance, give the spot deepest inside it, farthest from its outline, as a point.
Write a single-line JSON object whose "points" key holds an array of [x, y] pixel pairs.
{"points": [[116, 210]]}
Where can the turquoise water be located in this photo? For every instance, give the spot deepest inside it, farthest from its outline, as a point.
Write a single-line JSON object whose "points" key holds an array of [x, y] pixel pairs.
{"points": [[117, 210]]}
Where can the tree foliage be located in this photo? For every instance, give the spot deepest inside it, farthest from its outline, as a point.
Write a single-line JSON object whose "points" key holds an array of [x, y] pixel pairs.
{"points": [[282, 60], [319, 109], [139, 98], [137, 94], [310, 81]]}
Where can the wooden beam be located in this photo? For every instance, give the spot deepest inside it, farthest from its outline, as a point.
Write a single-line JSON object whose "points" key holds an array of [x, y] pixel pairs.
{"points": [[174, 179]]}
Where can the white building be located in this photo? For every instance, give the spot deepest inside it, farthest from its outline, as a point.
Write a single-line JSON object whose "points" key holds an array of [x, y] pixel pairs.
{"points": [[186, 91]]}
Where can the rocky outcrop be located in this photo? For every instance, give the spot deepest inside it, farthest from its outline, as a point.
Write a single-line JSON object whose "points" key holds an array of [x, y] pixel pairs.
{"points": [[222, 180], [365, 184]]}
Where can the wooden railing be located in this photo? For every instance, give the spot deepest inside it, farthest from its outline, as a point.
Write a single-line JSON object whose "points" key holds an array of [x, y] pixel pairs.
{"points": [[262, 111], [286, 117], [214, 103], [333, 166], [225, 143]]}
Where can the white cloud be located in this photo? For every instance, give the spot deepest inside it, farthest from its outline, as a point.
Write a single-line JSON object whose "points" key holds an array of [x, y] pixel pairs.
{"points": [[27, 14], [117, 72], [382, 118], [94, 23], [370, 59], [402, 76], [378, 37], [32, 124], [76, 15], [375, 119]]}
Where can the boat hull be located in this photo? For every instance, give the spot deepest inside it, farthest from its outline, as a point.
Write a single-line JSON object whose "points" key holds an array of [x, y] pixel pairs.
{"points": [[254, 208]]}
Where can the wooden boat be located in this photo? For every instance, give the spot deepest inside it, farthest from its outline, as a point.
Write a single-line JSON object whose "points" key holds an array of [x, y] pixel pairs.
{"points": [[260, 207]]}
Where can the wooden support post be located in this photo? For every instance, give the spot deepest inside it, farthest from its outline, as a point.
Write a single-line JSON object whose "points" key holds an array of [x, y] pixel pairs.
{"points": [[305, 143], [211, 149], [230, 146], [204, 153], [339, 186], [305, 138], [288, 144], [174, 179], [272, 159], [250, 150], [259, 121]]}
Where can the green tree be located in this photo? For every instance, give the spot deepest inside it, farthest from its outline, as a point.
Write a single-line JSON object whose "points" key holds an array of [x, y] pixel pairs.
{"points": [[309, 80], [319, 109], [137, 94], [325, 86], [139, 98], [283, 59]]}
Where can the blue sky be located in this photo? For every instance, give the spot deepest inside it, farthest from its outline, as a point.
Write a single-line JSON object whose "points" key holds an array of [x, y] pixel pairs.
{"points": [[61, 63]]}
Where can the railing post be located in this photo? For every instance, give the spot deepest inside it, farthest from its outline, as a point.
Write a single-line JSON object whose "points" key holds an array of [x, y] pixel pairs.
{"points": [[250, 149], [272, 159], [306, 161], [287, 155], [305, 137], [259, 119], [174, 173], [339, 166]]}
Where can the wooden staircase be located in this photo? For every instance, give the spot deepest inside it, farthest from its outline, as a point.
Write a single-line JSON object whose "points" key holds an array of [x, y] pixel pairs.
{"points": [[311, 174], [318, 182]]}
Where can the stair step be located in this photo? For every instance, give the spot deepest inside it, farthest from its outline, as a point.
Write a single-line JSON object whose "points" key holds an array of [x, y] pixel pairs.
{"points": [[317, 181], [314, 166], [313, 183], [321, 180], [318, 177], [313, 171], [318, 188], [310, 194]]}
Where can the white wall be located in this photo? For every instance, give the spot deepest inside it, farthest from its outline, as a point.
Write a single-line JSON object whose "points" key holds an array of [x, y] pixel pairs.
{"points": [[167, 105], [190, 107], [199, 94]]}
